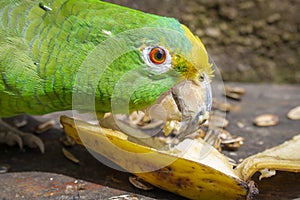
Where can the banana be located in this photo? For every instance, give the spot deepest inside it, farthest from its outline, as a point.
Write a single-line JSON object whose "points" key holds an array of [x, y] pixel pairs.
{"points": [[284, 157], [196, 172]]}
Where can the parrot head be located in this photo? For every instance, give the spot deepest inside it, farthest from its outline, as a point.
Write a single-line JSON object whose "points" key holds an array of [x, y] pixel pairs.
{"points": [[155, 65]]}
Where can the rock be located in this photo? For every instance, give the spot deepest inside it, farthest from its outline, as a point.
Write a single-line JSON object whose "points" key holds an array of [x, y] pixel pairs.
{"points": [[273, 18], [257, 43], [247, 29], [259, 24], [286, 37], [188, 17], [246, 5], [213, 32], [228, 12], [194, 7], [199, 32], [223, 26]]}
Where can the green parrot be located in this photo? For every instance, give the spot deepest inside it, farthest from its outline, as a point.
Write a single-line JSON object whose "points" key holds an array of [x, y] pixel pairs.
{"points": [[90, 55]]}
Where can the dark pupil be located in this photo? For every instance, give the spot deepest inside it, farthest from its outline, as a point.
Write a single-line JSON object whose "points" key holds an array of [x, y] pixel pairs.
{"points": [[159, 55]]}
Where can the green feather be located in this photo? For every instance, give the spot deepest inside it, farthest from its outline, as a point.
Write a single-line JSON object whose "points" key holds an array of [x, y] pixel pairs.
{"points": [[50, 57]]}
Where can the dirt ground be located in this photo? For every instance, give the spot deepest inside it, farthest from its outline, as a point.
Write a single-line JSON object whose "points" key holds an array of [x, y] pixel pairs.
{"points": [[249, 40]]}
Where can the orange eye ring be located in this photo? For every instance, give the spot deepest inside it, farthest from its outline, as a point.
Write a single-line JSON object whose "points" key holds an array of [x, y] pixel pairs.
{"points": [[158, 55]]}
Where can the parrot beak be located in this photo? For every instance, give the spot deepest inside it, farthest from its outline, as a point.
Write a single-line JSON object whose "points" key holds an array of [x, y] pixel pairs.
{"points": [[179, 111], [184, 107]]}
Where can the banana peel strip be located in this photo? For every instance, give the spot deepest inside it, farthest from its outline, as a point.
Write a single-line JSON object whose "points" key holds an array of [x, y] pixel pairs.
{"points": [[285, 157], [210, 178]]}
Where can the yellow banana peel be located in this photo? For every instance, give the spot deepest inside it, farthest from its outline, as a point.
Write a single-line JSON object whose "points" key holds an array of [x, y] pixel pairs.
{"points": [[284, 157], [184, 171]]}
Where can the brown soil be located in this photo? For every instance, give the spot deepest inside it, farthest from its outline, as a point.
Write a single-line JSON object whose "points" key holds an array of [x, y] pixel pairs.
{"points": [[250, 40]]}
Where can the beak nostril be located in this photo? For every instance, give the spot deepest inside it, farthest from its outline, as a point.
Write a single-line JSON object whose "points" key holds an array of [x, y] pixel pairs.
{"points": [[201, 77]]}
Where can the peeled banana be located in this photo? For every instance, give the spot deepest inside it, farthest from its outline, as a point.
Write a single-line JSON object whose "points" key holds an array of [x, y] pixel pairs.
{"points": [[192, 168], [196, 172]]}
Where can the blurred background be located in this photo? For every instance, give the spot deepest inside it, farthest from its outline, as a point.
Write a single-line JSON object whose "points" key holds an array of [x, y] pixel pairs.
{"points": [[250, 41]]}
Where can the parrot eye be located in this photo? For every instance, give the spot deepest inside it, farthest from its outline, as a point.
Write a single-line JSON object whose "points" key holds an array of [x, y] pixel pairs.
{"points": [[158, 55], [157, 58]]}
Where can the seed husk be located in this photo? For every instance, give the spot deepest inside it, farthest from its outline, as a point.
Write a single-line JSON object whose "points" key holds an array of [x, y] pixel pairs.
{"points": [[266, 120], [233, 96], [70, 156], [230, 142], [43, 127], [218, 121], [236, 90], [234, 93], [294, 114], [67, 141], [4, 169], [224, 134], [140, 183], [225, 107]]}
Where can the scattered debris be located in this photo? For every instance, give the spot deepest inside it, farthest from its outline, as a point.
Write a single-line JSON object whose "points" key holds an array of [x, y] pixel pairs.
{"points": [[234, 93], [232, 161], [20, 122], [240, 125], [260, 143], [70, 156], [225, 107], [113, 179], [200, 133], [168, 140], [170, 126], [4, 169], [124, 197], [233, 144], [218, 121], [43, 127], [234, 96], [230, 142], [294, 114], [136, 117], [80, 184], [266, 173], [224, 134], [67, 141], [236, 90], [212, 137], [140, 183], [69, 189], [266, 120]]}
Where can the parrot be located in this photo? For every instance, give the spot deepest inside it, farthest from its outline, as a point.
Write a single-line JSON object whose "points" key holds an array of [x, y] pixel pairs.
{"points": [[95, 56]]}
